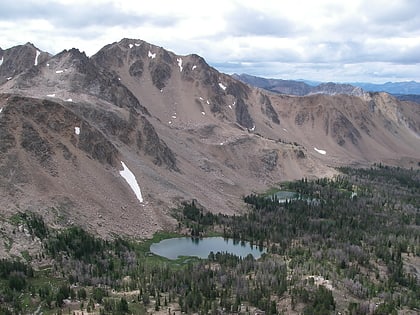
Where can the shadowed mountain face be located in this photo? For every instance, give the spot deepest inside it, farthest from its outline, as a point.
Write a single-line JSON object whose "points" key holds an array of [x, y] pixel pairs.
{"points": [[184, 130]]}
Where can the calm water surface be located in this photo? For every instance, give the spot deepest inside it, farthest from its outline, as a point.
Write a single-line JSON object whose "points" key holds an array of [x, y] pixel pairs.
{"points": [[187, 246]]}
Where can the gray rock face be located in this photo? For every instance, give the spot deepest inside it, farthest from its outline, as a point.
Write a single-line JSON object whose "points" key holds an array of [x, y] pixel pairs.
{"points": [[19, 59], [33, 143], [94, 143], [136, 68], [242, 115], [268, 110], [160, 72], [149, 141], [8, 140], [55, 119], [101, 83], [342, 129], [137, 130]]}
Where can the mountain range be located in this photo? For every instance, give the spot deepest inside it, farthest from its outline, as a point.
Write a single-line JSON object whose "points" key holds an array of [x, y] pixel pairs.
{"points": [[407, 91], [114, 141]]}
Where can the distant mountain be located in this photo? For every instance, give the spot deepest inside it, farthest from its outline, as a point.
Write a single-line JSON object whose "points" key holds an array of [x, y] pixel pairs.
{"points": [[300, 88], [405, 91], [408, 97], [396, 88]]}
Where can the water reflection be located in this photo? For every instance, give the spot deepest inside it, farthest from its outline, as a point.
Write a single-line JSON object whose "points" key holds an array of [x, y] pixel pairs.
{"points": [[202, 247]]}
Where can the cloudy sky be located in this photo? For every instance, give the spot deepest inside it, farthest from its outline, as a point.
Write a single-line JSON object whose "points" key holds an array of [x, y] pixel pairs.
{"points": [[323, 40]]}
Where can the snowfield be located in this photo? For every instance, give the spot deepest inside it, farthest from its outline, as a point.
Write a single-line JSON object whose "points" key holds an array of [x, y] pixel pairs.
{"points": [[131, 180], [323, 152], [179, 60], [36, 57]]}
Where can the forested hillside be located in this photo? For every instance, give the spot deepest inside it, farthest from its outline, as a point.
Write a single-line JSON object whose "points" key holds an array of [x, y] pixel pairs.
{"points": [[349, 244]]}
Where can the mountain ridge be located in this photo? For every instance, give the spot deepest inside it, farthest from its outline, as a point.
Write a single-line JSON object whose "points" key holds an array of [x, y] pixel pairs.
{"points": [[185, 130], [402, 90]]}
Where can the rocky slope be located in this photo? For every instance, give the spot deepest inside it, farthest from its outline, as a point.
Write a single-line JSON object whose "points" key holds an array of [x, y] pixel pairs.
{"points": [[184, 130]]}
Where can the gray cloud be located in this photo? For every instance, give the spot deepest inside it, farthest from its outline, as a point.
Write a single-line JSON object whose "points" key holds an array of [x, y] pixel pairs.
{"points": [[337, 41], [77, 16], [391, 12], [244, 21]]}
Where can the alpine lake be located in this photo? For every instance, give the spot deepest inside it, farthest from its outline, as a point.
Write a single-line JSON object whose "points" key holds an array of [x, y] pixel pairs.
{"points": [[175, 248]]}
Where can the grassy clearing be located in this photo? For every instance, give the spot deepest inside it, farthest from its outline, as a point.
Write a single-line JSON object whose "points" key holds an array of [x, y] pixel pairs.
{"points": [[143, 247]]}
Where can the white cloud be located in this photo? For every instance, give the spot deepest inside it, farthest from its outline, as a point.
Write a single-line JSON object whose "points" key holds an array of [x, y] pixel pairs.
{"points": [[338, 40]]}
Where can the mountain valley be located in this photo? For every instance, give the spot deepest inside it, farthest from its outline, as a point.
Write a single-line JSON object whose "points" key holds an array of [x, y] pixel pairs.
{"points": [[185, 130], [99, 154]]}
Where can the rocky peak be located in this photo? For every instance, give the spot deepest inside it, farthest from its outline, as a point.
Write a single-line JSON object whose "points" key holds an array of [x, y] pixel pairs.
{"points": [[18, 59], [335, 88], [70, 74]]}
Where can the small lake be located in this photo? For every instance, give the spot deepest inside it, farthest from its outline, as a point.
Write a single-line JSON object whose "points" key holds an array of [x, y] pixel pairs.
{"points": [[186, 246]]}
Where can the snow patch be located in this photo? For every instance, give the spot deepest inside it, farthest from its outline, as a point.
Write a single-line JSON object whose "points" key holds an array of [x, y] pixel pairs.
{"points": [[59, 71], [132, 181], [131, 45], [137, 45], [223, 87], [323, 152], [1, 109], [230, 106], [193, 67], [208, 103], [253, 128], [169, 122], [153, 56], [119, 79], [173, 116], [1, 61], [77, 130], [36, 57], [9, 78], [203, 113], [285, 129], [48, 64], [51, 95], [161, 90], [201, 99], [179, 60], [69, 100]]}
